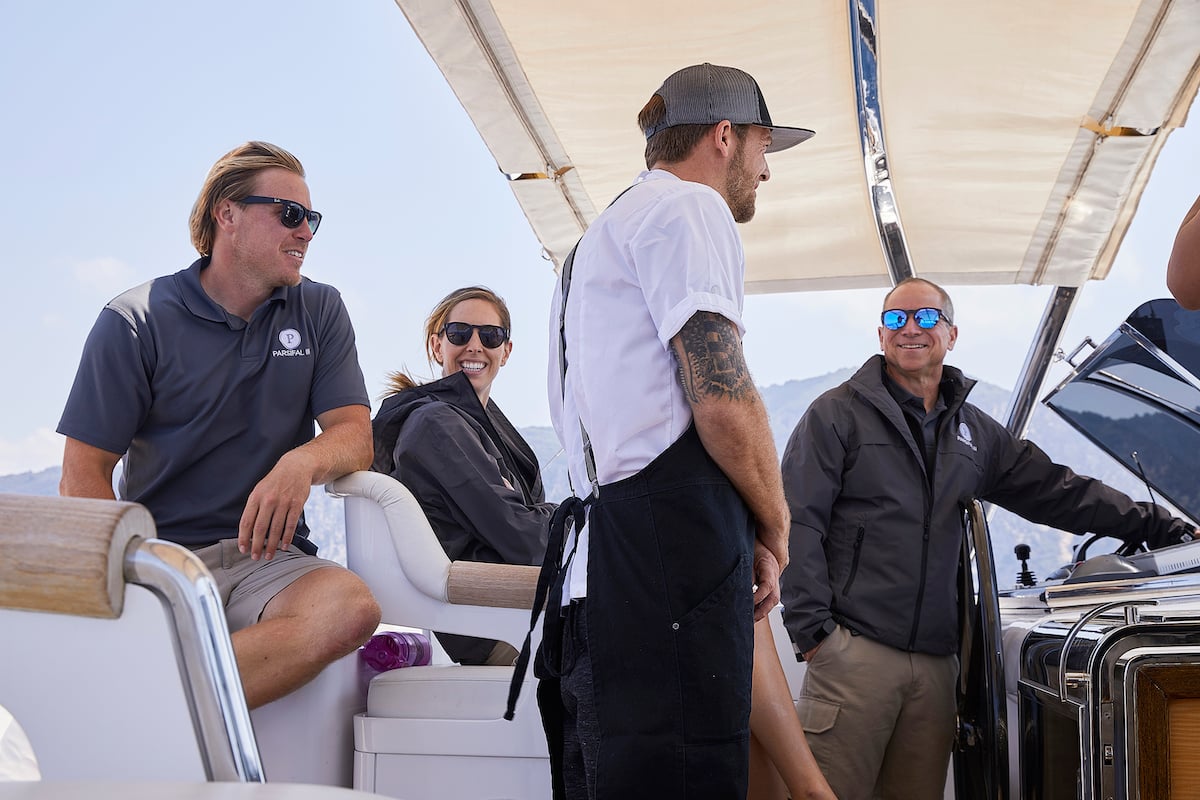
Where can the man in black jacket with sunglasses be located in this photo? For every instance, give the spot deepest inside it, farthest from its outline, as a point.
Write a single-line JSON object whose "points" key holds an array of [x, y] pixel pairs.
{"points": [[876, 474]]}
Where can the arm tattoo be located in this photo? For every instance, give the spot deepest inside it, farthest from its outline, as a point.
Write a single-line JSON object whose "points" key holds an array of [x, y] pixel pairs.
{"points": [[708, 351]]}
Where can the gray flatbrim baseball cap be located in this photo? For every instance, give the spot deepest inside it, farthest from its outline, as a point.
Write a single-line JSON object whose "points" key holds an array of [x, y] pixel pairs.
{"points": [[706, 94]]}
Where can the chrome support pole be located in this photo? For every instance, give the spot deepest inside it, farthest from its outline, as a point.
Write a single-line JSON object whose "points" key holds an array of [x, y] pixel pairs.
{"points": [[1037, 361], [212, 684], [864, 43]]}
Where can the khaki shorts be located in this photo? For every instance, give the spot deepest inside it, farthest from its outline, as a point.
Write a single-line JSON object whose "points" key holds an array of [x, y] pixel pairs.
{"points": [[246, 586]]}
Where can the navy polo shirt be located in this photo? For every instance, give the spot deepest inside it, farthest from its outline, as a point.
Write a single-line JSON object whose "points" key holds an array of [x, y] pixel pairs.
{"points": [[922, 424], [202, 403]]}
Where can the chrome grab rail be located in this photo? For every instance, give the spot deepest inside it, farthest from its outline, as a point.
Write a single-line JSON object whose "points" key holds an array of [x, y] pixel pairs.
{"points": [[1087, 342], [1131, 618], [208, 669], [1075, 595]]}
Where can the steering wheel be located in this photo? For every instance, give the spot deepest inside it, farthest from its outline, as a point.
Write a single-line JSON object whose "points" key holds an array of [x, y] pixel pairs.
{"points": [[1126, 548]]}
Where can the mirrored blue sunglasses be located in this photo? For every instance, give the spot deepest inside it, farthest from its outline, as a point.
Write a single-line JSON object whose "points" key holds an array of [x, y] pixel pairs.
{"points": [[895, 318]]}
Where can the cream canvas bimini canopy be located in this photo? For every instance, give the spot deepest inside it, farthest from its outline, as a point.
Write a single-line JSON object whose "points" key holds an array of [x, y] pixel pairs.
{"points": [[967, 142]]}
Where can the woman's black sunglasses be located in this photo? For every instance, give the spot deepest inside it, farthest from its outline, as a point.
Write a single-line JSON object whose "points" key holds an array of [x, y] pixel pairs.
{"points": [[490, 336], [291, 213]]}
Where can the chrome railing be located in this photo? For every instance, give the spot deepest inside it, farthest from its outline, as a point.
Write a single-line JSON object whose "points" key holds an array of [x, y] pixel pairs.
{"points": [[204, 652]]}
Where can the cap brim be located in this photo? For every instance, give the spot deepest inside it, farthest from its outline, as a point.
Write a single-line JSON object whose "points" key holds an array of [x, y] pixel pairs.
{"points": [[783, 138]]}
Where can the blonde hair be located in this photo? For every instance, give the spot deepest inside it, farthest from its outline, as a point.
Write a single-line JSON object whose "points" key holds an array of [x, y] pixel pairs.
{"points": [[399, 381], [232, 178]]}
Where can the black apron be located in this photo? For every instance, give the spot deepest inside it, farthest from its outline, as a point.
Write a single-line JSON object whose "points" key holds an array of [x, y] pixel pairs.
{"points": [[670, 614]]}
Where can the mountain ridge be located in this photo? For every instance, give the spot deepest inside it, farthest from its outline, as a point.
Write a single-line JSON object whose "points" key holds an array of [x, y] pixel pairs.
{"points": [[785, 403]]}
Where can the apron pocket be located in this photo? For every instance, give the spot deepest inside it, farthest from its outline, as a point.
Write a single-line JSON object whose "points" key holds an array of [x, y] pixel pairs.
{"points": [[717, 634]]}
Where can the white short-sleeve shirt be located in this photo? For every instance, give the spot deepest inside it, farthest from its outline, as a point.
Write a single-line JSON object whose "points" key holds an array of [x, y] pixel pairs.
{"points": [[665, 250]]}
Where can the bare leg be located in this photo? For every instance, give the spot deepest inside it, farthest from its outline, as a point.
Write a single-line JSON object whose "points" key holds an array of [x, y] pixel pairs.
{"points": [[765, 781], [776, 731], [319, 618]]}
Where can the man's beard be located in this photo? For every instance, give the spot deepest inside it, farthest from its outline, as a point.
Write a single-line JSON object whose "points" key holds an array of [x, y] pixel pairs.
{"points": [[739, 186]]}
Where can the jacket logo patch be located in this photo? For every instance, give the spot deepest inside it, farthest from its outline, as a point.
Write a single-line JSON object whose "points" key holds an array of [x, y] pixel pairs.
{"points": [[964, 436]]}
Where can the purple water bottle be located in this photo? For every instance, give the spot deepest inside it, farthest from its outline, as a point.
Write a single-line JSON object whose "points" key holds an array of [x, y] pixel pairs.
{"points": [[395, 649]]}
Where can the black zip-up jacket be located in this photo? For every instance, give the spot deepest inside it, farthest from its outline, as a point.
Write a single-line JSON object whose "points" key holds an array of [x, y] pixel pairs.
{"points": [[875, 537], [455, 457]]}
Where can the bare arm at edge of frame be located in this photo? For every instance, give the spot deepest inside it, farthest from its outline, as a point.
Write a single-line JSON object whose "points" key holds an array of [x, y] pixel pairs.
{"points": [[1183, 267], [732, 423]]}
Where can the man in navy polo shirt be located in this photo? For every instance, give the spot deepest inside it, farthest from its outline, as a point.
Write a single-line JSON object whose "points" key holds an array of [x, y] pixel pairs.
{"points": [[206, 383]]}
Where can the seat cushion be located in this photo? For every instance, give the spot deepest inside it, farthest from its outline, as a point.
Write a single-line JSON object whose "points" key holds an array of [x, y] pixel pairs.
{"points": [[441, 692]]}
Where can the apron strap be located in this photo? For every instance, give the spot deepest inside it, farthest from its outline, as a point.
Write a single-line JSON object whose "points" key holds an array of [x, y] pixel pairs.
{"points": [[589, 460], [571, 513]]}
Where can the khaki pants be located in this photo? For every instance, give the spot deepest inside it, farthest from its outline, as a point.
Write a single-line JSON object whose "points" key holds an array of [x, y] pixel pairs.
{"points": [[879, 721]]}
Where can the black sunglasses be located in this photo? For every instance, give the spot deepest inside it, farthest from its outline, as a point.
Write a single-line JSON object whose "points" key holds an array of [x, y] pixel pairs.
{"points": [[490, 336], [291, 213], [895, 318]]}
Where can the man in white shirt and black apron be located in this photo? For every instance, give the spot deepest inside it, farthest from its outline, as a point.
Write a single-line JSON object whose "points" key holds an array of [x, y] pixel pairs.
{"points": [[648, 641]]}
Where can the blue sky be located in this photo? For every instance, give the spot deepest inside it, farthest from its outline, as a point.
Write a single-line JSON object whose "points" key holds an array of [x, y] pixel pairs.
{"points": [[115, 111]]}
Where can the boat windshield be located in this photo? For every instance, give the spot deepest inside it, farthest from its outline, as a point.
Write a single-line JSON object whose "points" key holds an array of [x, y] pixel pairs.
{"points": [[1138, 398]]}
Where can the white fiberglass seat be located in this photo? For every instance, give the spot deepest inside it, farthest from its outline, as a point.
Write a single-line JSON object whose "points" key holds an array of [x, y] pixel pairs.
{"points": [[438, 731], [308, 736], [116, 660]]}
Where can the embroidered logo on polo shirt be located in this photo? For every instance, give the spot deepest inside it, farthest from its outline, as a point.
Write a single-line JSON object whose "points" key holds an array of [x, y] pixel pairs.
{"points": [[964, 436], [290, 339]]}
